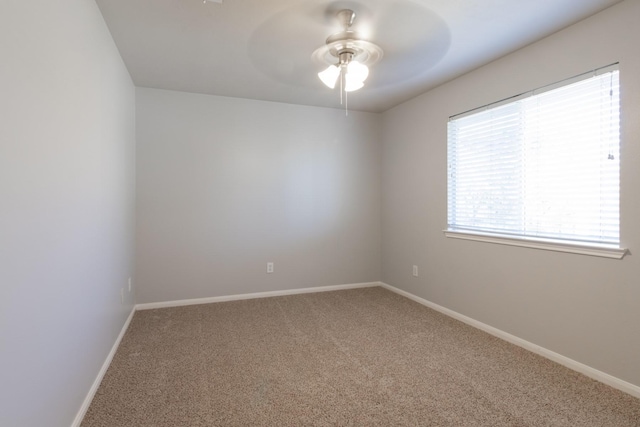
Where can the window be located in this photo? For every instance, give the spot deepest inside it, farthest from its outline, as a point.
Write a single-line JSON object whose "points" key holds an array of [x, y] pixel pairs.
{"points": [[541, 169]]}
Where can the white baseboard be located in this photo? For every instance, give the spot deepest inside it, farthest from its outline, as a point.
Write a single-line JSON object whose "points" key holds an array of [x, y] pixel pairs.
{"points": [[96, 383], [605, 378], [183, 302]]}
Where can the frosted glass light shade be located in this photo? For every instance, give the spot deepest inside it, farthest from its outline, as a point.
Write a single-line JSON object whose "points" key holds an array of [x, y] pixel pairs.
{"points": [[357, 71], [330, 76], [352, 84], [356, 74]]}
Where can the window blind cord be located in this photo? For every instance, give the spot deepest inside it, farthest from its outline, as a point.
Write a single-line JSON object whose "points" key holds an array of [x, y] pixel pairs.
{"points": [[611, 156]]}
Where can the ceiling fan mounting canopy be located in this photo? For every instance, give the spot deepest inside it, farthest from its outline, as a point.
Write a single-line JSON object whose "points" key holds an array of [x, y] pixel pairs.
{"points": [[349, 42], [346, 17]]}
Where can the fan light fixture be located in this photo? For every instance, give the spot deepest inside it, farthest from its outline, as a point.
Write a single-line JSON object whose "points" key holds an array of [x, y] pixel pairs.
{"points": [[355, 73], [353, 56]]}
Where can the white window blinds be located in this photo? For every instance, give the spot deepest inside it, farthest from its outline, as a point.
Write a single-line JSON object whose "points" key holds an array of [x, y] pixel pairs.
{"points": [[543, 165]]}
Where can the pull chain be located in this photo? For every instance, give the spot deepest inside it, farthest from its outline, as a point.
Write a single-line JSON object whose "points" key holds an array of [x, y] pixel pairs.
{"points": [[344, 98], [341, 83], [346, 103]]}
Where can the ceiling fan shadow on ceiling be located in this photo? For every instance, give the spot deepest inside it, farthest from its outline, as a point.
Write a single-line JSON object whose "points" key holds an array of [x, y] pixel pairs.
{"points": [[349, 56]]}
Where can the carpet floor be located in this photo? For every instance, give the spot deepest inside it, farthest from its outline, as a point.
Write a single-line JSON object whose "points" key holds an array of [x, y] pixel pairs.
{"points": [[362, 357]]}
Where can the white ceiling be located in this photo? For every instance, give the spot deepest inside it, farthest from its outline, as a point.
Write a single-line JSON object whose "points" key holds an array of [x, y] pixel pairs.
{"points": [[262, 49]]}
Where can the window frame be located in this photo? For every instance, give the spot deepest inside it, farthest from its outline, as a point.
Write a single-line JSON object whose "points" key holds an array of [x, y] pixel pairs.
{"points": [[560, 245]]}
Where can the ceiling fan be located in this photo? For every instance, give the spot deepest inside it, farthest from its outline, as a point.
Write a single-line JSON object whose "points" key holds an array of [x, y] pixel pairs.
{"points": [[353, 54], [319, 45]]}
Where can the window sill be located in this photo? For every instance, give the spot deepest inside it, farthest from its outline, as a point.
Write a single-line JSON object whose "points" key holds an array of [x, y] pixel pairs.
{"points": [[549, 245]]}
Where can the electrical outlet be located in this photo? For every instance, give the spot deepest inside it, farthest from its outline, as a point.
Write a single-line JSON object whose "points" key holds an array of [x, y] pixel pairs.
{"points": [[415, 271], [269, 267], [129, 284]]}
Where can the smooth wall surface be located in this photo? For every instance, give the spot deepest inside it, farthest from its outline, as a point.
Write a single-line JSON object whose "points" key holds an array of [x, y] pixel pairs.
{"points": [[226, 185], [585, 308], [67, 148]]}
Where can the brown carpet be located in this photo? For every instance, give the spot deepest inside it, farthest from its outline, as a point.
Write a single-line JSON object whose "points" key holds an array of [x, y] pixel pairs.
{"points": [[364, 357]]}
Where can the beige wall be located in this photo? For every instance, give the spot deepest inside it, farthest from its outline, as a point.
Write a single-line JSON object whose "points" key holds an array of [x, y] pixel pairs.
{"points": [[67, 148], [226, 185], [585, 308]]}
